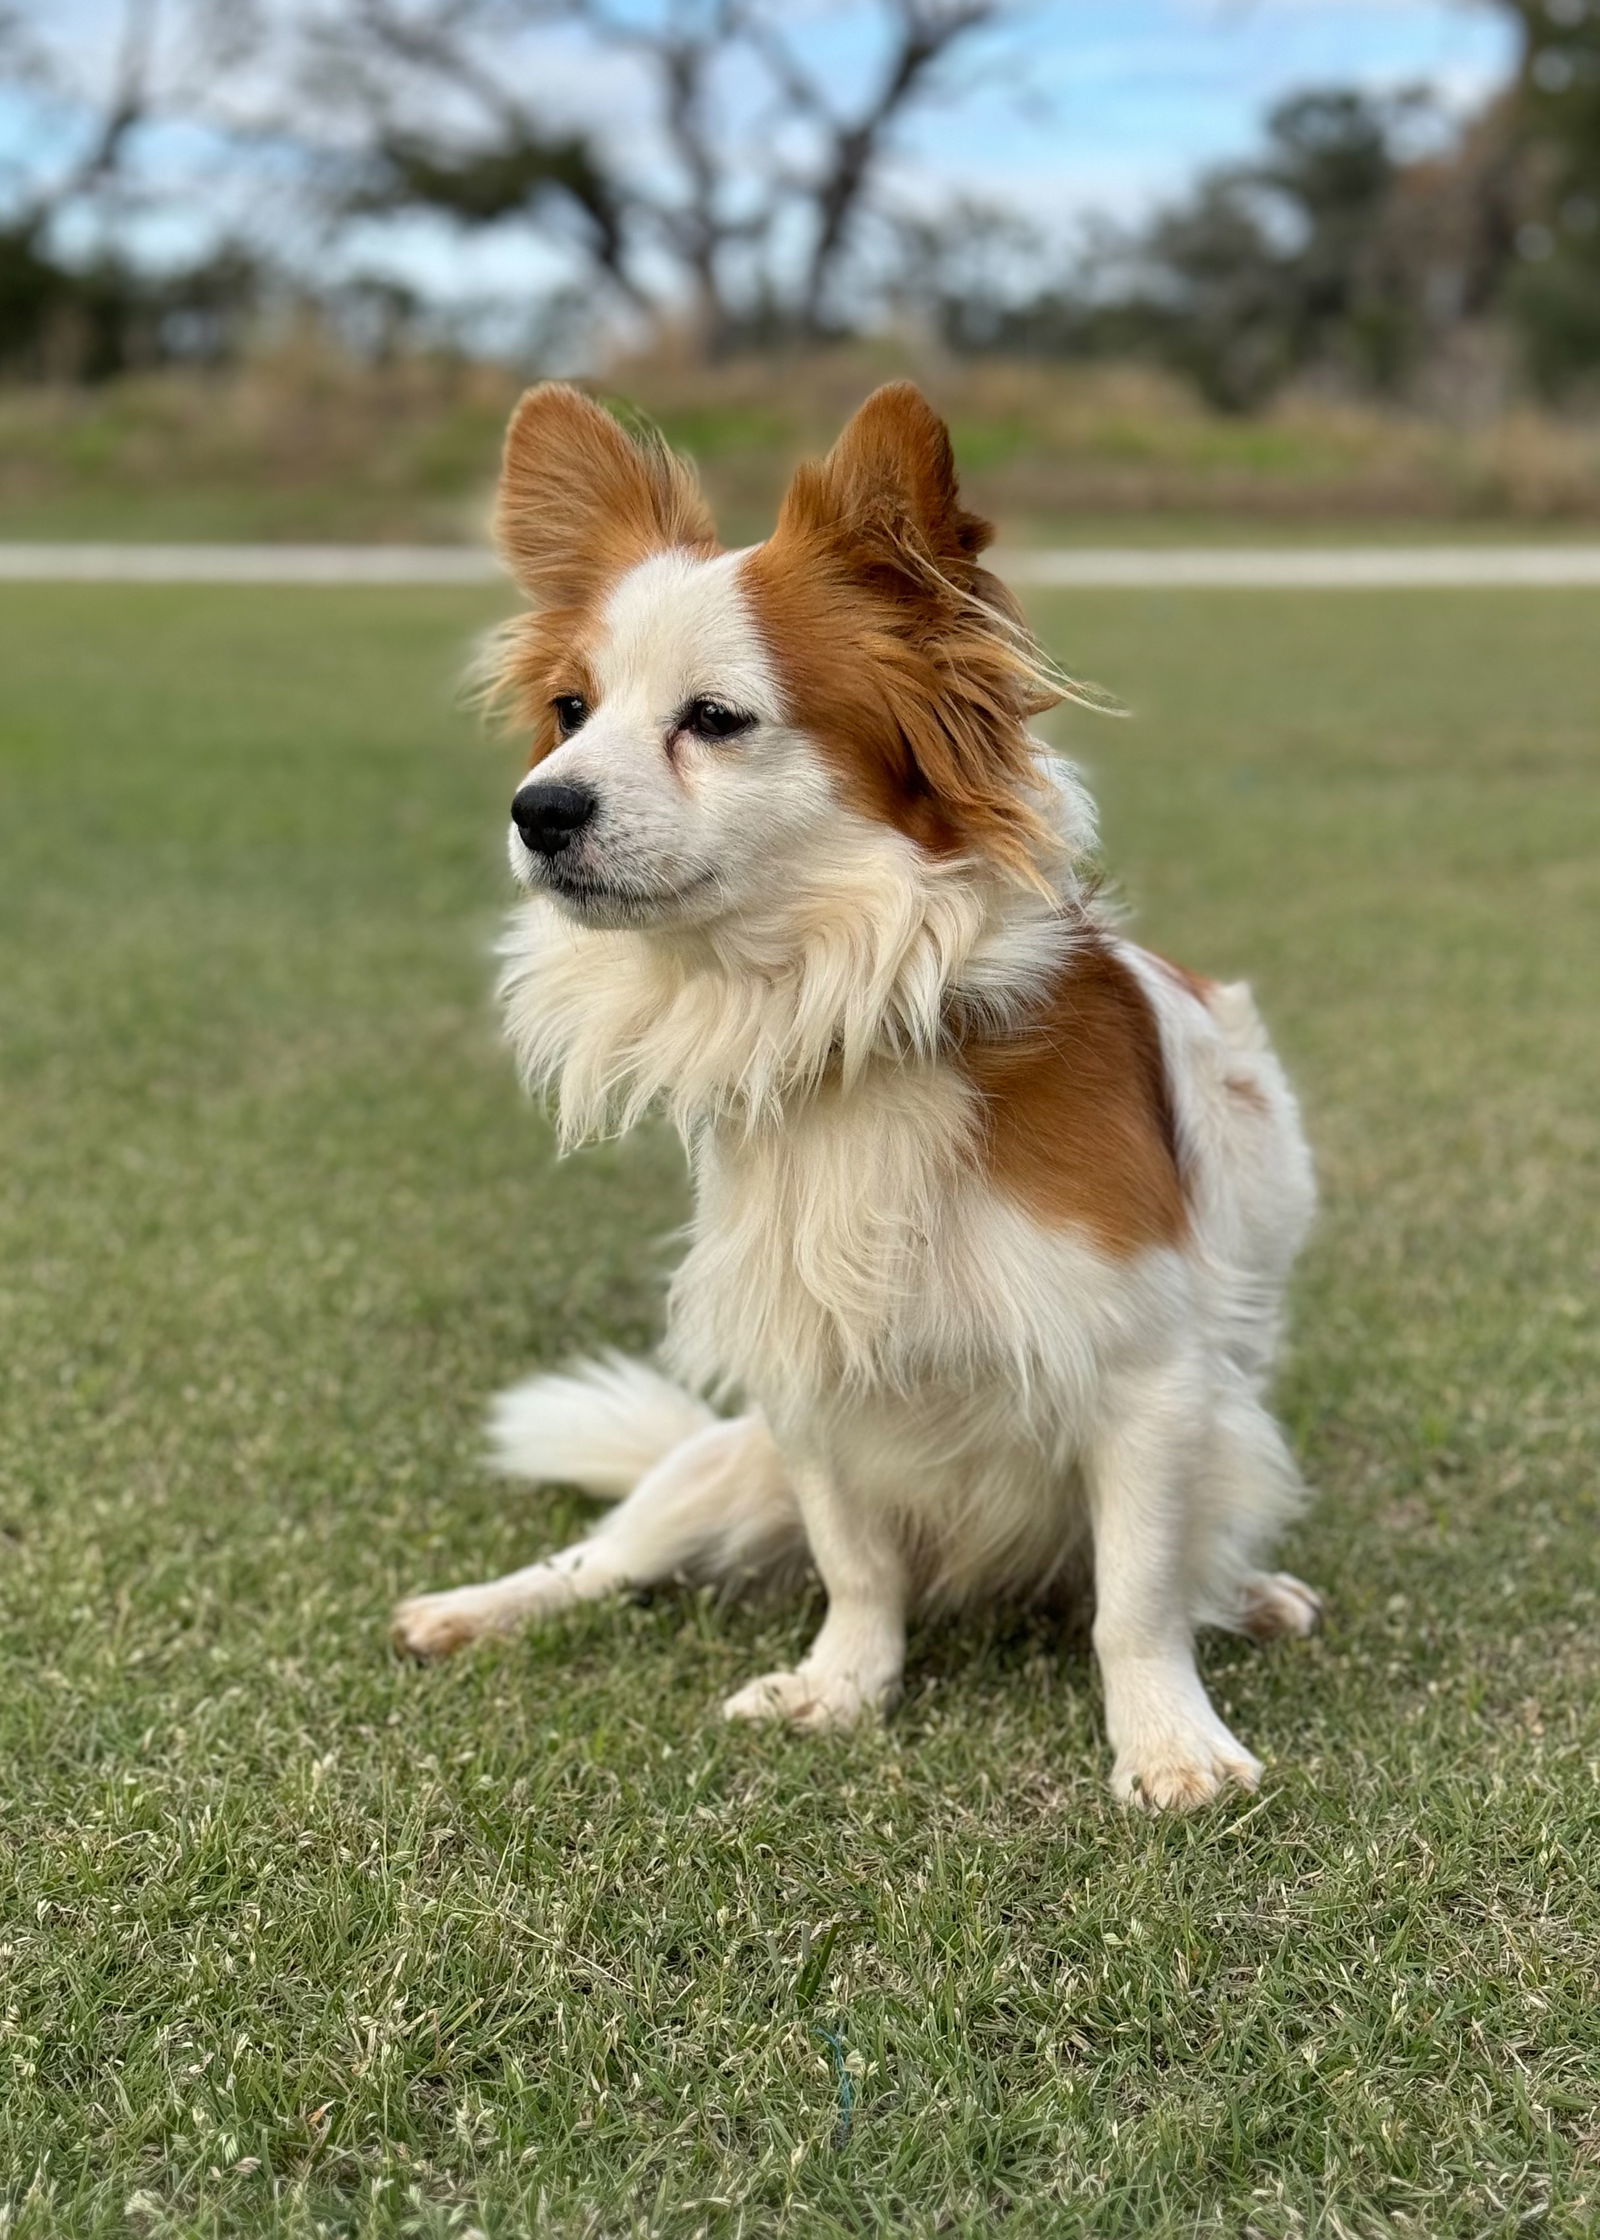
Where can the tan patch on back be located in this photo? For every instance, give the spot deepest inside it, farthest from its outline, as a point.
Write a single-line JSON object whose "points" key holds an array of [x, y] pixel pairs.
{"points": [[1078, 1116]]}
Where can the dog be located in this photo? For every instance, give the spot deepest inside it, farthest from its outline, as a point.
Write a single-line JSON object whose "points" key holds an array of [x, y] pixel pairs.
{"points": [[993, 1210]]}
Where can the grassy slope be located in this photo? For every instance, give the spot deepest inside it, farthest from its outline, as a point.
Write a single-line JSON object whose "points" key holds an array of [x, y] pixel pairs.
{"points": [[305, 445], [296, 1938]]}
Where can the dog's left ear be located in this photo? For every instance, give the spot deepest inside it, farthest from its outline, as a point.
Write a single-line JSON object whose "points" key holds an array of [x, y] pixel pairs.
{"points": [[930, 659], [888, 487], [885, 508]]}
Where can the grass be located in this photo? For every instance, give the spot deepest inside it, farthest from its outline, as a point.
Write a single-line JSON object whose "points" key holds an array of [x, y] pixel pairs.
{"points": [[297, 1940], [302, 443]]}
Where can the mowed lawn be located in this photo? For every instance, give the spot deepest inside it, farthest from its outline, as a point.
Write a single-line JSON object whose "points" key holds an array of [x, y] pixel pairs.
{"points": [[297, 1939]]}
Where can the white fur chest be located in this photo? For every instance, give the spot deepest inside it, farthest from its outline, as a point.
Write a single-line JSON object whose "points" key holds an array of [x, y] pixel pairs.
{"points": [[816, 1236], [854, 1258]]}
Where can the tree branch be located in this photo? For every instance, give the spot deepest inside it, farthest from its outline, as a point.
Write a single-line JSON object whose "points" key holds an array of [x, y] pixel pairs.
{"points": [[126, 106], [929, 31], [526, 161]]}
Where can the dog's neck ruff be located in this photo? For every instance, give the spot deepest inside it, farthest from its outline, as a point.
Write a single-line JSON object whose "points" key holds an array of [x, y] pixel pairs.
{"points": [[883, 956]]}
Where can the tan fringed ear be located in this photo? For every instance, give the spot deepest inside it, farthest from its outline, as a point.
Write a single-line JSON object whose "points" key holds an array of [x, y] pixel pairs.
{"points": [[885, 502], [890, 482], [581, 500], [908, 661]]}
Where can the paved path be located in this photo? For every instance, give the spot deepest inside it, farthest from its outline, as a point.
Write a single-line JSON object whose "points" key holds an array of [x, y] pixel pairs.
{"points": [[1307, 568], [1088, 567], [246, 563]]}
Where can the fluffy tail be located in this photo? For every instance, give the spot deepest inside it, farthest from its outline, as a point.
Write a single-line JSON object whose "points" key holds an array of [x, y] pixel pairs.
{"points": [[1246, 1490], [601, 1425]]}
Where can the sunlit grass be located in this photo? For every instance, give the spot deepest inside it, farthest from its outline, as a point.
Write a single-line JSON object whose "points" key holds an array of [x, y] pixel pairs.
{"points": [[296, 1939]]}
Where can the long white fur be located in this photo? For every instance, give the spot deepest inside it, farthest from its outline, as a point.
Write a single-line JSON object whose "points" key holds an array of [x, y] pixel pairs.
{"points": [[849, 958], [945, 1399], [600, 1426]]}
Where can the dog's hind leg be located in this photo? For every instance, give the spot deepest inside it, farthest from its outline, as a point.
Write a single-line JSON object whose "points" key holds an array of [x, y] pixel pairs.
{"points": [[717, 1506], [1274, 1605], [1246, 1489]]}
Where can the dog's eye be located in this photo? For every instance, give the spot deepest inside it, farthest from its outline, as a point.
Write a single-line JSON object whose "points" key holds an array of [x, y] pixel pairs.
{"points": [[570, 708], [714, 719]]}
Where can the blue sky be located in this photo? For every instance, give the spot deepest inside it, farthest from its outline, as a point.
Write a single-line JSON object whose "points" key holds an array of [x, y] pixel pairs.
{"points": [[1124, 101], [1138, 94]]}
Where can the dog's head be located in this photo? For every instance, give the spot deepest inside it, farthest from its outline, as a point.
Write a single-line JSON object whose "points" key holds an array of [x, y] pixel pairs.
{"points": [[711, 727]]}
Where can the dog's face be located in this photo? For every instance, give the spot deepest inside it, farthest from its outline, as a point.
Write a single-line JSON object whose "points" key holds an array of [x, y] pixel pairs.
{"points": [[713, 728], [675, 788]]}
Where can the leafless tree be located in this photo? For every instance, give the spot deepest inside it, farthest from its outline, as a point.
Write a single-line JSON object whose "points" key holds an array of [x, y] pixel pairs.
{"points": [[110, 110], [751, 170], [855, 140]]}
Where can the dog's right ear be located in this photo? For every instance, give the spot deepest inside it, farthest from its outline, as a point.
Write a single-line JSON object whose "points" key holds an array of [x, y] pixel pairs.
{"points": [[581, 500]]}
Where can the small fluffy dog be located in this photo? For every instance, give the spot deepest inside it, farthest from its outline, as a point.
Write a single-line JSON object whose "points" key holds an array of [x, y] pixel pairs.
{"points": [[993, 1210]]}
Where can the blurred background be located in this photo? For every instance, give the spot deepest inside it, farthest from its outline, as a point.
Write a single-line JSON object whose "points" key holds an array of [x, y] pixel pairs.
{"points": [[274, 268]]}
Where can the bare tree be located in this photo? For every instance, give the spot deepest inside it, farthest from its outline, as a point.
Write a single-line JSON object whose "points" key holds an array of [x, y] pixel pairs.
{"points": [[111, 110], [61, 315], [755, 172], [855, 141]]}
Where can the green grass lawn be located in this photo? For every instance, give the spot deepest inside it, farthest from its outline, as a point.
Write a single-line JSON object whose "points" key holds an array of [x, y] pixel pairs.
{"points": [[297, 1939]]}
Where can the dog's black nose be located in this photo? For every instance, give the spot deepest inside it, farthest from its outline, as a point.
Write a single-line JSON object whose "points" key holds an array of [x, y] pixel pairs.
{"points": [[547, 816]]}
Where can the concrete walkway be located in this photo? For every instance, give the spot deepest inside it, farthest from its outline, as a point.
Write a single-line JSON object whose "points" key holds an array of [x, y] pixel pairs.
{"points": [[1087, 567], [247, 563], [1307, 568]]}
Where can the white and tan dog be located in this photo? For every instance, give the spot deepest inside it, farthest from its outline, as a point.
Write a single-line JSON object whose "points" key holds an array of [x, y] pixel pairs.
{"points": [[993, 1210]]}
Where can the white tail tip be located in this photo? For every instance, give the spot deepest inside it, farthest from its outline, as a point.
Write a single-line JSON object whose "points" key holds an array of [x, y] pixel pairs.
{"points": [[601, 1425]]}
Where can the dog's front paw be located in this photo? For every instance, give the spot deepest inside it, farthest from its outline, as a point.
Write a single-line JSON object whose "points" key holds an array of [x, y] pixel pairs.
{"points": [[437, 1625], [1178, 1768], [814, 1700]]}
